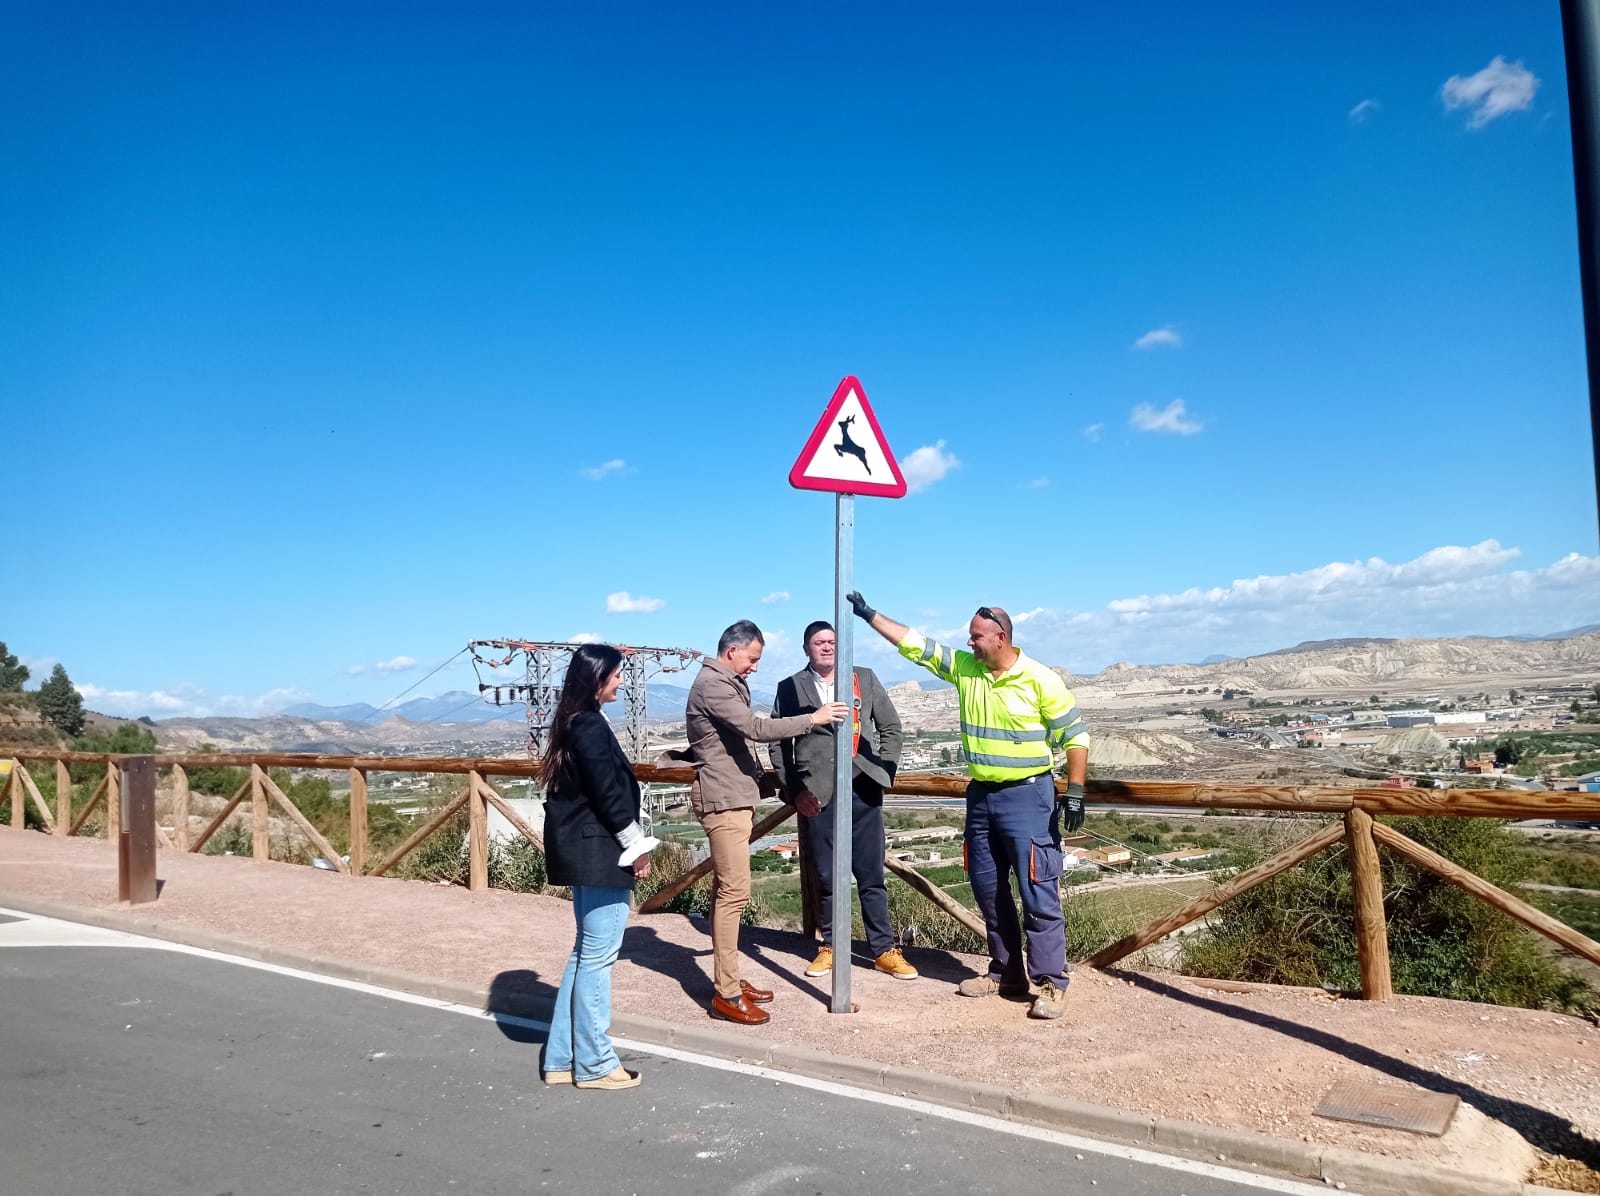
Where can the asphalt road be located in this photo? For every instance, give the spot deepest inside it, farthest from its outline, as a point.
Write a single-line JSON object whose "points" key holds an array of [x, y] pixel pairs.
{"points": [[127, 1069]]}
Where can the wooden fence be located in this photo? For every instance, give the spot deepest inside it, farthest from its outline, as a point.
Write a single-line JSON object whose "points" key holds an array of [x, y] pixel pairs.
{"points": [[1357, 808]]}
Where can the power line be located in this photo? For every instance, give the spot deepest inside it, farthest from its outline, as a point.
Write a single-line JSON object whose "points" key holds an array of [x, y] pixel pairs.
{"points": [[411, 687]]}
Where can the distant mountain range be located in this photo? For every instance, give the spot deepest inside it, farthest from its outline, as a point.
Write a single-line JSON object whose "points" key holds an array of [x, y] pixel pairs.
{"points": [[1309, 665], [663, 703], [1354, 662], [462, 723]]}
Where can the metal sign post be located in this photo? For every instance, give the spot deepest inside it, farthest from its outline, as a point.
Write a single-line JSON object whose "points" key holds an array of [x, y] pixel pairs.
{"points": [[136, 840], [844, 548], [848, 455]]}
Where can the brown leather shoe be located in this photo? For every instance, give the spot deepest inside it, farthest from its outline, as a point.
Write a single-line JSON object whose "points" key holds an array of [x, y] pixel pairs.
{"points": [[756, 996], [741, 1011]]}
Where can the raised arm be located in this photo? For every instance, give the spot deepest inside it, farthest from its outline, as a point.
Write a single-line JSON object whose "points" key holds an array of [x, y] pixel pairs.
{"points": [[877, 620], [913, 645]]}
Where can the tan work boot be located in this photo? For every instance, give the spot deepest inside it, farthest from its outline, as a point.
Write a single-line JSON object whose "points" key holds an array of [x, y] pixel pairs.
{"points": [[892, 962], [1050, 1004], [557, 1077], [822, 964], [616, 1081], [988, 986]]}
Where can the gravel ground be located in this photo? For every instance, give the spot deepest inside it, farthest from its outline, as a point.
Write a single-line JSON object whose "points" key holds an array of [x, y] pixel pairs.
{"points": [[1257, 1060]]}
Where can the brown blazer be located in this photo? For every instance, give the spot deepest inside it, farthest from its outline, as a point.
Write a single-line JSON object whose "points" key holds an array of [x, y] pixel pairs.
{"points": [[720, 726]]}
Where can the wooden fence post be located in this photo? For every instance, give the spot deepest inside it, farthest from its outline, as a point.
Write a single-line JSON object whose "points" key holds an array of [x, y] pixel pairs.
{"points": [[113, 800], [260, 828], [1372, 934], [810, 889], [358, 821], [63, 799], [180, 807], [477, 836], [13, 790]]}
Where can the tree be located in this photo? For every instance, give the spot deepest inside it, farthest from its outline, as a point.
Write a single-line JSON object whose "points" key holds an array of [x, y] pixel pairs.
{"points": [[60, 704], [12, 674]]}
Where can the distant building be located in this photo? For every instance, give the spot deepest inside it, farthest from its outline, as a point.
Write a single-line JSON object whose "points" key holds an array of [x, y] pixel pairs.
{"points": [[1460, 716], [1410, 719], [1397, 783], [1109, 857], [1187, 853]]}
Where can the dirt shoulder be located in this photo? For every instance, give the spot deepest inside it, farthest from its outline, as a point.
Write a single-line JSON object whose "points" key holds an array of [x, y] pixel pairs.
{"points": [[1258, 1060]]}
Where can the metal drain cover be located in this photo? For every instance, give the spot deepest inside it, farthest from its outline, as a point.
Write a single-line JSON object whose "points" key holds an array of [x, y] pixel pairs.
{"points": [[1389, 1108]]}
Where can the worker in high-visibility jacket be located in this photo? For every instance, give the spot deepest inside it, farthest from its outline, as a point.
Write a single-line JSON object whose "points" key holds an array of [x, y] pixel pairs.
{"points": [[1015, 713]]}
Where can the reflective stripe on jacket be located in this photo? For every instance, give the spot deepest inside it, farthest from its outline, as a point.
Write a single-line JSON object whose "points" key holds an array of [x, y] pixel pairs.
{"points": [[1010, 724]]}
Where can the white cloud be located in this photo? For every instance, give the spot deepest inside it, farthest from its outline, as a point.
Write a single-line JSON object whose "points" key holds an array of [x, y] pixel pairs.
{"points": [[1497, 89], [1173, 418], [1450, 590], [599, 473], [395, 664], [1160, 338], [584, 637], [1363, 112], [1035, 484], [1093, 432], [776, 598], [185, 701], [624, 603], [927, 465]]}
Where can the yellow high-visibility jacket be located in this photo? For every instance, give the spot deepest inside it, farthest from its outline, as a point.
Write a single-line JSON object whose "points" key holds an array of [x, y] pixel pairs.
{"points": [[1011, 723]]}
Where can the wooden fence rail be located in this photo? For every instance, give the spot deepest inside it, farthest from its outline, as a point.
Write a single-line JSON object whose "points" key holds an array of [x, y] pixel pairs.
{"points": [[1356, 807]]}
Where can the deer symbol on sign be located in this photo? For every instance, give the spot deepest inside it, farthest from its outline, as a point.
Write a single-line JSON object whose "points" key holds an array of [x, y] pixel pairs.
{"points": [[849, 446]]}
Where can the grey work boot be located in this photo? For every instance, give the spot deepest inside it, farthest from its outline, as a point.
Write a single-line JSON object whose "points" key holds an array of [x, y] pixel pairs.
{"points": [[1050, 1004], [988, 986]]}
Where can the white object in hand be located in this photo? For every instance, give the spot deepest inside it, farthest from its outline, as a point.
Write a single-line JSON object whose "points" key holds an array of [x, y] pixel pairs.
{"points": [[635, 843]]}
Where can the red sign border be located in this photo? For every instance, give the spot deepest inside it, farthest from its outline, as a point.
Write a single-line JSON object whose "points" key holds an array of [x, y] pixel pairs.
{"points": [[797, 478]]}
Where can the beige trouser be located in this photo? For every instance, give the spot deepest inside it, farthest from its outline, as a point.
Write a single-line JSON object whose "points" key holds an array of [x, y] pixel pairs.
{"points": [[728, 833]]}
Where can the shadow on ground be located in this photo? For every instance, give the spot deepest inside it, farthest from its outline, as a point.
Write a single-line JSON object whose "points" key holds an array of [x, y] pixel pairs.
{"points": [[1544, 1130]]}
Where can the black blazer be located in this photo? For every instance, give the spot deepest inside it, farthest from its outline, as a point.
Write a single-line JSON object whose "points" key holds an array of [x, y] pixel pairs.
{"points": [[806, 761], [583, 813]]}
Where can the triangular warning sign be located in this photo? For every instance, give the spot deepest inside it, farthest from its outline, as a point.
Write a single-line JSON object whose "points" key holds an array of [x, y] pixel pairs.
{"points": [[847, 452]]}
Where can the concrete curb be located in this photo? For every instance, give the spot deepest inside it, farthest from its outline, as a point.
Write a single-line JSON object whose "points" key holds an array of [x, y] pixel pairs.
{"points": [[1358, 1172]]}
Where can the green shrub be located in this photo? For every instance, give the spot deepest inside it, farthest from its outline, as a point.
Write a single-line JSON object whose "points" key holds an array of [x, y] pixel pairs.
{"points": [[1298, 927], [517, 865]]}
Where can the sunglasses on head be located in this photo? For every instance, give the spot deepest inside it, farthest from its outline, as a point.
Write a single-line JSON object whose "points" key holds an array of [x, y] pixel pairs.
{"points": [[985, 613]]}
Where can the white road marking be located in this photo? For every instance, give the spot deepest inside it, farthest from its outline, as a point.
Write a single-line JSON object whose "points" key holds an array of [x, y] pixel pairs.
{"points": [[53, 932]]}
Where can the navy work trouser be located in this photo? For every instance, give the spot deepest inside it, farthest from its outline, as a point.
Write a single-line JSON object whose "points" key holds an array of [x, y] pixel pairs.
{"points": [[1011, 830], [866, 861]]}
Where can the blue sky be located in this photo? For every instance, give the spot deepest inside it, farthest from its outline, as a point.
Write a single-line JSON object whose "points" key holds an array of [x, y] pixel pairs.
{"points": [[336, 336]]}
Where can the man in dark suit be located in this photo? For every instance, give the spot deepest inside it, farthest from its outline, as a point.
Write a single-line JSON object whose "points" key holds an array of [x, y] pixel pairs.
{"points": [[805, 769]]}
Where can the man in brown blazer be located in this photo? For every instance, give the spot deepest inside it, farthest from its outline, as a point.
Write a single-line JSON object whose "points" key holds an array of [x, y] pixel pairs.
{"points": [[720, 726]]}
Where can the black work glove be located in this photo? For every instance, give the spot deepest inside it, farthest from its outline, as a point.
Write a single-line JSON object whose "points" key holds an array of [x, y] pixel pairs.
{"points": [[859, 605], [1071, 803]]}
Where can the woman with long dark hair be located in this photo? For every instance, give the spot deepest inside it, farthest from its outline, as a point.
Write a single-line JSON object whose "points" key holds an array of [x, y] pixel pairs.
{"points": [[591, 809]]}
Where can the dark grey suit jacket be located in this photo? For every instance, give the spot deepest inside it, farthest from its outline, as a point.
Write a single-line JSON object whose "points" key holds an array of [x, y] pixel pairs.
{"points": [[806, 762]]}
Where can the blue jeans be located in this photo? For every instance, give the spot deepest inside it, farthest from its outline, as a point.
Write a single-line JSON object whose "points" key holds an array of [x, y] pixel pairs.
{"points": [[578, 1040], [1012, 831]]}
